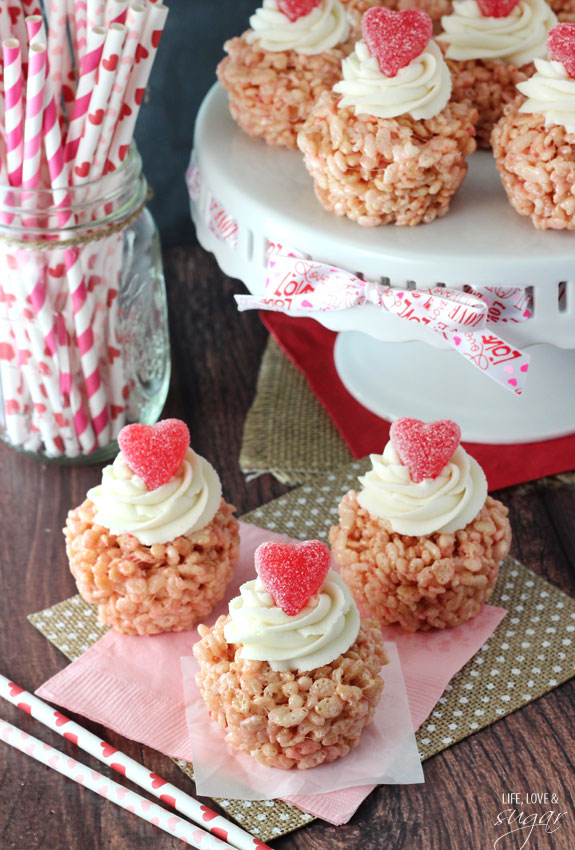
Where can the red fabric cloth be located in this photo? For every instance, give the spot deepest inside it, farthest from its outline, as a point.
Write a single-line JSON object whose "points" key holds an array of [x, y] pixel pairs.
{"points": [[310, 347]]}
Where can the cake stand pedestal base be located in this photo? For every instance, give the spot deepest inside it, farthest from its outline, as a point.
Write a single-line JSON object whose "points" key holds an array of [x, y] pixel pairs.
{"points": [[404, 379]]}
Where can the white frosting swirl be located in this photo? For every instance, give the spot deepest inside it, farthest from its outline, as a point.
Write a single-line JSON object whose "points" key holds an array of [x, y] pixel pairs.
{"points": [[325, 628], [188, 502], [516, 38], [322, 29], [443, 504], [421, 89], [550, 91]]}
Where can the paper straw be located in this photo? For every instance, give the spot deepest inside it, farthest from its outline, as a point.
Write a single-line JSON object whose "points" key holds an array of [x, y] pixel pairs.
{"points": [[34, 114], [107, 71], [95, 13], [80, 10], [106, 788], [136, 87], [35, 29], [18, 29], [129, 768], [14, 111], [90, 63], [59, 51], [116, 12], [135, 25]]}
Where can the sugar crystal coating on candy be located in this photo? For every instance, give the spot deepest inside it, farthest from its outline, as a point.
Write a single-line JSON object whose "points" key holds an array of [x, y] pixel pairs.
{"points": [[292, 572], [155, 452], [395, 38], [295, 9], [496, 8], [561, 46], [425, 448]]}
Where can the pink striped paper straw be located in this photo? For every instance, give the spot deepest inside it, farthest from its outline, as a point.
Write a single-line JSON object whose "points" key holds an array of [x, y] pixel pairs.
{"points": [[34, 115], [35, 29], [135, 24], [14, 111], [116, 12], [107, 72], [137, 82], [103, 786], [18, 28], [131, 769], [90, 63]]}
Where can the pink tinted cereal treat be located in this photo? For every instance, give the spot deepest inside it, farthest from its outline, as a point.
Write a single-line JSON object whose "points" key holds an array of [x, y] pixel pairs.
{"points": [[490, 46], [420, 544], [276, 71], [154, 545], [534, 143], [291, 674], [386, 145]]}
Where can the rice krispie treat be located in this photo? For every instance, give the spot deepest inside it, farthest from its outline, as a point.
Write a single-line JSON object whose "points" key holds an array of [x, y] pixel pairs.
{"points": [[154, 545], [534, 143], [420, 544], [276, 71], [291, 674], [387, 145], [490, 46]]}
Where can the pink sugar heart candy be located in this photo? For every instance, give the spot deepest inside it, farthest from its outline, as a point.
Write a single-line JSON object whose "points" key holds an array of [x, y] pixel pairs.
{"points": [[561, 46], [457, 340], [496, 8], [292, 572], [508, 369], [425, 448], [155, 452], [295, 9], [525, 367], [395, 38]]}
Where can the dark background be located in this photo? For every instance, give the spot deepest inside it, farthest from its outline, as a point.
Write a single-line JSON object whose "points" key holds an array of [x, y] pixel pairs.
{"points": [[184, 70]]}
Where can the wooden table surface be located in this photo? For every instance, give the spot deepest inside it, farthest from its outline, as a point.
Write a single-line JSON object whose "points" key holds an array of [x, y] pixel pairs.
{"points": [[216, 353]]}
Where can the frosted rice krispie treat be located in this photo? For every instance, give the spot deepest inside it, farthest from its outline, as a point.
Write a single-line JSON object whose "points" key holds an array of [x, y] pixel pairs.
{"points": [[387, 145], [420, 544], [490, 46], [291, 674], [155, 544], [276, 71], [534, 143]]}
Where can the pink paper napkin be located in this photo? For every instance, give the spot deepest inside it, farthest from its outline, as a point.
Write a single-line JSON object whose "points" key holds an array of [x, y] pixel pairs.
{"points": [[133, 685]]}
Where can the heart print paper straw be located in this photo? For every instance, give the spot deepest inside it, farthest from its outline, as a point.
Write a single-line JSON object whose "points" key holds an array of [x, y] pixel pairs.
{"points": [[133, 770], [109, 789]]}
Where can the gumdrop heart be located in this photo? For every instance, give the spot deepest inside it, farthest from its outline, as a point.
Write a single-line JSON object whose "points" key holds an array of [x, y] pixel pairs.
{"points": [[496, 8], [395, 38], [425, 448], [155, 452], [561, 46], [292, 572], [295, 9]]}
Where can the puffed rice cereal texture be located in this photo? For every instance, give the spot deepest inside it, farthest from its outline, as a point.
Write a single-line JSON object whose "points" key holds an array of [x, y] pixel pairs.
{"points": [[432, 582], [488, 86], [271, 94], [386, 170], [144, 590], [291, 719], [537, 167]]}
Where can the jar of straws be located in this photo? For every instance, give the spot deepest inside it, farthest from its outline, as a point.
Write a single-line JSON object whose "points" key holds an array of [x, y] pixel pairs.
{"points": [[83, 324]]}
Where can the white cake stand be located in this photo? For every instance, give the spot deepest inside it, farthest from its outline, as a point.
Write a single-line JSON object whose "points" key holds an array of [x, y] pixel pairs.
{"points": [[397, 368]]}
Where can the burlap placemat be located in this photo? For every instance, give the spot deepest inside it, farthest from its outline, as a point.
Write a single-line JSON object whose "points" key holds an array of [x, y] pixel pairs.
{"points": [[287, 431], [530, 653]]}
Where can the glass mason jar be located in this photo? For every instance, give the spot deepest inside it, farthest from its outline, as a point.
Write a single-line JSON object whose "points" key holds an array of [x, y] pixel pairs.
{"points": [[84, 346]]}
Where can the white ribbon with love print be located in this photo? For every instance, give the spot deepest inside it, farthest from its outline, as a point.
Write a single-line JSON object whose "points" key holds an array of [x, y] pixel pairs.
{"points": [[297, 286], [223, 226]]}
